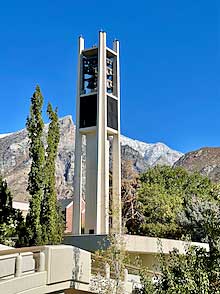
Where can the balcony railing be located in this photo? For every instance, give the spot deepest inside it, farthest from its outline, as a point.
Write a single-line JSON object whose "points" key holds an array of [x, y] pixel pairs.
{"points": [[45, 269]]}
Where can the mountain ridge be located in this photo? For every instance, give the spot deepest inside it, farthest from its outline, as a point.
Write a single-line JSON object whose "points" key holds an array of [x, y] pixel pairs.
{"points": [[205, 160], [15, 162]]}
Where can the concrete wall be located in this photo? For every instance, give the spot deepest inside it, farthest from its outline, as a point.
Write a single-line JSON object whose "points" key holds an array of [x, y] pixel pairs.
{"points": [[58, 268], [150, 245], [133, 243]]}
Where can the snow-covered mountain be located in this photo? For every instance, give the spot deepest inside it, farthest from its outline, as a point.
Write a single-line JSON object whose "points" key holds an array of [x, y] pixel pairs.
{"points": [[5, 135], [153, 154], [15, 161]]}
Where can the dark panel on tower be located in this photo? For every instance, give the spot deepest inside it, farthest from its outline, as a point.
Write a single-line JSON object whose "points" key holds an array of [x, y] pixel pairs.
{"points": [[112, 113], [88, 111]]}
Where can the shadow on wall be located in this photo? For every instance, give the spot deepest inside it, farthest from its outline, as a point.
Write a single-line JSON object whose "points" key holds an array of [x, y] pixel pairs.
{"points": [[77, 267]]}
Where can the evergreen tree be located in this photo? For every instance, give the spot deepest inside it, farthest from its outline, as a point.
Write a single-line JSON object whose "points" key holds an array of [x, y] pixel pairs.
{"points": [[35, 126], [10, 219], [51, 225], [6, 210]]}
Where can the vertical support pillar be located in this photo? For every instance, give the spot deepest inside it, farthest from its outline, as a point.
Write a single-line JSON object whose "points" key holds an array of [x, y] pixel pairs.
{"points": [[77, 202], [106, 215], [116, 159], [102, 169], [91, 189], [42, 262], [125, 275], [116, 185], [18, 269], [107, 271]]}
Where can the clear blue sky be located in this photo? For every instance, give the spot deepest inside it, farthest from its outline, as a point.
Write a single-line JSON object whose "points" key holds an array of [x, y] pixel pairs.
{"points": [[170, 63]]}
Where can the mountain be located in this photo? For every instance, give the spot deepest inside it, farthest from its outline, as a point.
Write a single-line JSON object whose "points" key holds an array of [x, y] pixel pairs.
{"points": [[15, 162], [205, 160], [150, 154]]}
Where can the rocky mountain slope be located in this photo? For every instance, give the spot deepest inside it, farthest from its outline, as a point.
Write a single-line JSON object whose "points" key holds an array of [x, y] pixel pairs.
{"points": [[205, 160], [15, 161], [150, 154]]}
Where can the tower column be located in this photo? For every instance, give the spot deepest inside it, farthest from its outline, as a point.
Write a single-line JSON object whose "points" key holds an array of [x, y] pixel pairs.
{"points": [[103, 152], [91, 187], [116, 155], [76, 226]]}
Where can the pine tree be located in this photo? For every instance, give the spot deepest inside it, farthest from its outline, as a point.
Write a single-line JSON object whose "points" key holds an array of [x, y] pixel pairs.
{"points": [[51, 225], [35, 126]]}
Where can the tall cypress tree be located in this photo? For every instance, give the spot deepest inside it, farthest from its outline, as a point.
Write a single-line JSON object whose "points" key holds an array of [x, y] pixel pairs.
{"points": [[51, 226], [35, 126]]}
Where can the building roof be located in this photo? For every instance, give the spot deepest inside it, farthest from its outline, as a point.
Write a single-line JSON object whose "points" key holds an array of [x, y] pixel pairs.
{"points": [[65, 202]]}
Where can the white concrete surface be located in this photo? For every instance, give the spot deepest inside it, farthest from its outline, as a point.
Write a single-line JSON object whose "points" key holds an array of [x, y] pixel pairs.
{"points": [[8, 262], [150, 245], [64, 267], [76, 219]]}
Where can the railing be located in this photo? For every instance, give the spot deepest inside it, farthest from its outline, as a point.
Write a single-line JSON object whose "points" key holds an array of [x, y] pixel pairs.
{"points": [[100, 265], [104, 275], [22, 250], [49, 269], [19, 254]]}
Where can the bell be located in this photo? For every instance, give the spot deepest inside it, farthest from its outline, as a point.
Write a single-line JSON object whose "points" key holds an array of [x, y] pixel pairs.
{"points": [[109, 84], [109, 71]]}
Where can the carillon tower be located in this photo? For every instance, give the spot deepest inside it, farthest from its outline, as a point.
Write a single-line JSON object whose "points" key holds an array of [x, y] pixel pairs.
{"points": [[98, 121]]}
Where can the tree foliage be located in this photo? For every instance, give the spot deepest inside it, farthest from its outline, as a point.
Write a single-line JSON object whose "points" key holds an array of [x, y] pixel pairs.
{"points": [[6, 209], [10, 219], [193, 273], [164, 197], [197, 271], [51, 225], [36, 180], [185, 274], [196, 219], [131, 215], [44, 224]]}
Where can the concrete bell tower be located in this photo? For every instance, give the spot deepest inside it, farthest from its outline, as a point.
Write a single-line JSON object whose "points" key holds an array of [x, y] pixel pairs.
{"points": [[98, 121]]}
